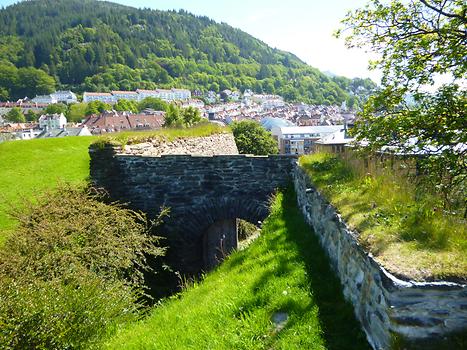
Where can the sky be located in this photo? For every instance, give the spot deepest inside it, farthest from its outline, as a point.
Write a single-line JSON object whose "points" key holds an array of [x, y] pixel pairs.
{"points": [[303, 27]]}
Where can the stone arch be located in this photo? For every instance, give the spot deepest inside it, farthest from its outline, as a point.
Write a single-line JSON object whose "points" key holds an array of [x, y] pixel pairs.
{"points": [[198, 221]]}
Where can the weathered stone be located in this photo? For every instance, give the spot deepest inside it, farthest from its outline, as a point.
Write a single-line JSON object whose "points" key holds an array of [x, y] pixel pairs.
{"points": [[383, 303], [206, 193], [200, 191]]}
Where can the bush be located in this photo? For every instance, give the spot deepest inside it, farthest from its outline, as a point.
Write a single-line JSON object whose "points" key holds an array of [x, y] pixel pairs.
{"points": [[68, 312], [73, 269], [252, 138]]}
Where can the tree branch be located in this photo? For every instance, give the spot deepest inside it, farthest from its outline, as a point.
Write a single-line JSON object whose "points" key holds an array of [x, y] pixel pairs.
{"points": [[462, 17]]}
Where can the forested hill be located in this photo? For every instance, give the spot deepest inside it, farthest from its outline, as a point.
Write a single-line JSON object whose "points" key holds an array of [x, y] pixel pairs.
{"points": [[100, 46]]}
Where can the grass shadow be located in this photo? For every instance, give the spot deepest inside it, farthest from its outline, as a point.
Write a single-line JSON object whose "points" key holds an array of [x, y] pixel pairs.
{"points": [[340, 328]]}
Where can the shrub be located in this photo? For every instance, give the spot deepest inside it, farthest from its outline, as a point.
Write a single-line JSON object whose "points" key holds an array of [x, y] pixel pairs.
{"points": [[73, 269], [252, 138]]}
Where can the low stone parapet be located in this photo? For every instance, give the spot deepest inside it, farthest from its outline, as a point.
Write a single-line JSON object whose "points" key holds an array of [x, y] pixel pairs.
{"points": [[387, 307]]}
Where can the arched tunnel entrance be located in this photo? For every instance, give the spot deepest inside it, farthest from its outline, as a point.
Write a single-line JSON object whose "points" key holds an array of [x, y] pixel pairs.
{"points": [[204, 194], [219, 240], [223, 237], [203, 236]]}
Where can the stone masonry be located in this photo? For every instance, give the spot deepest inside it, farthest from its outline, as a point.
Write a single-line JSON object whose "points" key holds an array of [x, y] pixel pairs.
{"points": [[385, 305], [207, 193], [199, 190], [216, 144]]}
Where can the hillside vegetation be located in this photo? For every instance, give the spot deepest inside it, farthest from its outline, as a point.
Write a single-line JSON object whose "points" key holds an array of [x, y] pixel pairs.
{"points": [[99, 46], [280, 293]]}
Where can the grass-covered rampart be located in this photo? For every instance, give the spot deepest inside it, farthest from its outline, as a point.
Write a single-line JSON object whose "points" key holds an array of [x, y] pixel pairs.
{"points": [[283, 276], [407, 230]]}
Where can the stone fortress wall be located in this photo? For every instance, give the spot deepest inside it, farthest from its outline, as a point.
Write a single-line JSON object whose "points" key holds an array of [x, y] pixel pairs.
{"points": [[385, 305], [207, 192]]}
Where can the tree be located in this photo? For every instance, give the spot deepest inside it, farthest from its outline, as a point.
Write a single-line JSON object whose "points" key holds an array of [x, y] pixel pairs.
{"points": [[15, 115], [32, 81], [96, 107], [173, 117], [154, 103], [76, 112], [252, 138], [191, 116], [31, 116], [56, 108], [416, 41], [124, 105]]}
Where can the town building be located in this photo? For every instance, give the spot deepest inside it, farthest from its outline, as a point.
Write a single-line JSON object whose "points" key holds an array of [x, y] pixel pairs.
{"points": [[99, 96], [333, 143], [52, 121], [193, 103], [125, 95], [65, 96], [300, 139], [45, 99], [273, 122], [181, 94], [65, 131], [118, 121]]}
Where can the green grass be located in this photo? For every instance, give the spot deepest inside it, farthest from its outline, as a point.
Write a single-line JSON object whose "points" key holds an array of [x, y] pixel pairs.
{"points": [[284, 270], [406, 231], [27, 168]]}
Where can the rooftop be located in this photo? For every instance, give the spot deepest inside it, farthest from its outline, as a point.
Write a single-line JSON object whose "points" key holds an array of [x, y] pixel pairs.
{"points": [[310, 129], [97, 93]]}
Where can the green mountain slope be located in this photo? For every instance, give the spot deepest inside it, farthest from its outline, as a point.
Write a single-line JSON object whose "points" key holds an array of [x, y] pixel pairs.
{"points": [[96, 45]]}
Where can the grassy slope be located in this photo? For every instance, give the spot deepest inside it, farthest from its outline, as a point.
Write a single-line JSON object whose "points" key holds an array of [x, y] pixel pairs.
{"points": [[405, 231], [283, 271], [29, 167]]}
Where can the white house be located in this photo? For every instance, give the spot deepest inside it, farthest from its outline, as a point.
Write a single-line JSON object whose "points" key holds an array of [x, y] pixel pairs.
{"points": [[127, 95], [99, 96], [147, 93], [45, 99], [235, 95], [28, 134], [193, 103], [181, 94], [52, 121], [64, 132], [65, 96], [164, 94]]}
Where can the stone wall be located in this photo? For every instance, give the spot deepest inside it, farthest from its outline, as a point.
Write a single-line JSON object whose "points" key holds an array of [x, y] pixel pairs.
{"points": [[216, 144], [200, 191], [385, 306], [206, 192]]}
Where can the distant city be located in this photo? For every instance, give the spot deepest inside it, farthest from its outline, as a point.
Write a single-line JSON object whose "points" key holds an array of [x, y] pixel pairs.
{"points": [[296, 127]]}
